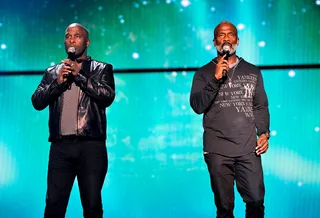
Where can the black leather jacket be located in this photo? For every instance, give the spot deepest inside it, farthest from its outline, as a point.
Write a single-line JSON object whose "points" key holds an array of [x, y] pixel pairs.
{"points": [[97, 91]]}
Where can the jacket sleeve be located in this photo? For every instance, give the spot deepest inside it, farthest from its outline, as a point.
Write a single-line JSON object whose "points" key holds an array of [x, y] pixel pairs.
{"points": [[101, 89], [261, 107], [47, 91], [203, 93]]}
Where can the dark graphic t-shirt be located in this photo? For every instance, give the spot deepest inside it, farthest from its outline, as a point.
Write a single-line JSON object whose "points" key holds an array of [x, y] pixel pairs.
{"points": [[229, 119]]}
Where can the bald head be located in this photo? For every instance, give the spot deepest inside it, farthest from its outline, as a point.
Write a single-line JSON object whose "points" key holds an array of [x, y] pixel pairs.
{"points": [[77, 38], [81, 26], [223, 23]]}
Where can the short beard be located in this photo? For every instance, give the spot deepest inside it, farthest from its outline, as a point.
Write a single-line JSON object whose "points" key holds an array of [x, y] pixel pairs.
{"points": [[232, 49]]}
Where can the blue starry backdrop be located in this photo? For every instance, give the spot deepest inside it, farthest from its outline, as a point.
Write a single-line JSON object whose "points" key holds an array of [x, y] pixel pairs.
{"points": [[156, 166], [158, 33]]}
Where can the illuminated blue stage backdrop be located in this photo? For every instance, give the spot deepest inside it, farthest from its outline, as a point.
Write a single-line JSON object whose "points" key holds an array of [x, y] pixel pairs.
{"points": [[156, 167], [155, 149], [158, 33]]}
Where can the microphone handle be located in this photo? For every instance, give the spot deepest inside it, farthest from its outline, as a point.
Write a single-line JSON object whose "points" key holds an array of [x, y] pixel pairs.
{"points": [[224, 72], [69, 78]]}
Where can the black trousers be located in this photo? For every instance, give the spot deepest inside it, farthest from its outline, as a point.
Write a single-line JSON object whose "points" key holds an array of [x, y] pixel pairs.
{"points": [[85, 159], [247, 172]]}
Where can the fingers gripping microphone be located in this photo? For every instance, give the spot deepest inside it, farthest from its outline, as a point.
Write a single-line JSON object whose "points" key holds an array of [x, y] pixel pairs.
{"points": [[71, 52], [225, 50]]}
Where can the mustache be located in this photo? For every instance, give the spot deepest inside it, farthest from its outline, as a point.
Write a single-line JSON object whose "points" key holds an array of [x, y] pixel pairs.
{"points": [[231, 46], [227, 43]]}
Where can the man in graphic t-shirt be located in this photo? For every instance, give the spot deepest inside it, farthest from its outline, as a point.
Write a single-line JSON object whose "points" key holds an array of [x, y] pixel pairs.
{"points": [[230, 94]]}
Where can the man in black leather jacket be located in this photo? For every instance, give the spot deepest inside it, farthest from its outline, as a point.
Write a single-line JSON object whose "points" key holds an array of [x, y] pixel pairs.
{"points": [[77, 91]]}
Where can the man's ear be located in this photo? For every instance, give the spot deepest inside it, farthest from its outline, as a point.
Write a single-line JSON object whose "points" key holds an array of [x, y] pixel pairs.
{"points": [[238, 40], [214, 42], [88, 43]]}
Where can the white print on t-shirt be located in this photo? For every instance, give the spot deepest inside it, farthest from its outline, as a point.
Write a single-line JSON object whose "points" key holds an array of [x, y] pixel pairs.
{"points": [[249, 87], [239, 96]]}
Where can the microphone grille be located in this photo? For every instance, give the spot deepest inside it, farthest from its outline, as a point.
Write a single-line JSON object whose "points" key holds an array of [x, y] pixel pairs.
{"points": [[71, 50], [226, 48]]}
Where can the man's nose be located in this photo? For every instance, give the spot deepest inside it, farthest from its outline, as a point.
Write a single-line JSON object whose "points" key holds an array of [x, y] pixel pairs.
{"points": [[71, 39]]}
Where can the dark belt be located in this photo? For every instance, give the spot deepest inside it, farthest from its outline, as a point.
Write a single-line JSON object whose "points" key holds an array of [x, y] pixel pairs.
{"points": [[71, 137], [77, 138]]}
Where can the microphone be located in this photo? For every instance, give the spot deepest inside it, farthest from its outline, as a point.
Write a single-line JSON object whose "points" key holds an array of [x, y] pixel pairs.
{"points": [[71, 52], [70, 78], [225, 50]]}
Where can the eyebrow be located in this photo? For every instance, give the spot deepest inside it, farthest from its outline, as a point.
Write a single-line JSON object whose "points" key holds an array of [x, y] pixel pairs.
{"points": [[75, 34], [226, 32]]}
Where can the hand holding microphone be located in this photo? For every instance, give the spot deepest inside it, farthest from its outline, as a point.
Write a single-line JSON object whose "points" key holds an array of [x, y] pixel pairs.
{"points": [[69, 68], [71, 62], [222, 66], [63, 73], [226, 54]]}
